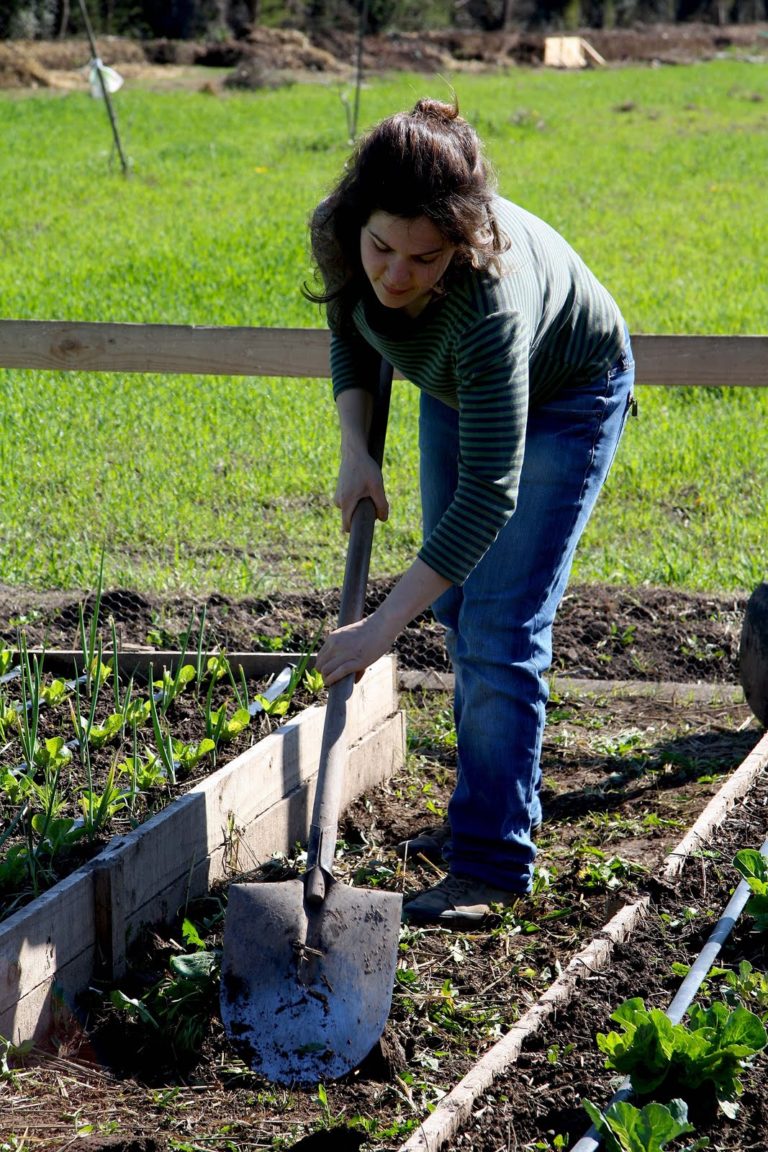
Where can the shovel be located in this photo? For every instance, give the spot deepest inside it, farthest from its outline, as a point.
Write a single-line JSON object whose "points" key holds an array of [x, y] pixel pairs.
{"points": [[308, 965]]}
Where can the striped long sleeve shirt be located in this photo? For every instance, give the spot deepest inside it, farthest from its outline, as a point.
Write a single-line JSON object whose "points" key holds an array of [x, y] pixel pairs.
{"points": [[493, 346]]}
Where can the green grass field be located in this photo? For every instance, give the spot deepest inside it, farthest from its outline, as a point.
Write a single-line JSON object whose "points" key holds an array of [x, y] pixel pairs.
{"points": [[656, 175]]}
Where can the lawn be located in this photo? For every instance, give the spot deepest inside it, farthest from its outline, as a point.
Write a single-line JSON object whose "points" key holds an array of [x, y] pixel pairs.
{"points": [[655, 175]]}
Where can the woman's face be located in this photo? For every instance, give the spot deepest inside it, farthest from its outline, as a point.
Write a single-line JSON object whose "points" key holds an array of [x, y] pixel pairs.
{"points": [[403, 259]]}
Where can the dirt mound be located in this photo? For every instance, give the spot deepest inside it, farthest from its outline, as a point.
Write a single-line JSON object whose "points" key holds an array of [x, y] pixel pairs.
{"points": [[53, 64], [334, 52], [677, 43], [18, 69]]}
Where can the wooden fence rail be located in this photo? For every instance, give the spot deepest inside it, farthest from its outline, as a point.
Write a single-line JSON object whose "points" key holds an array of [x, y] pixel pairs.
{"points": [[703, 361]]}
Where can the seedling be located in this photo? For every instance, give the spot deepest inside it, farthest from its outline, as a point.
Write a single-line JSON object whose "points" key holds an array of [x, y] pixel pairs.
{"points": [[98, 735], [746, 986], [164, 742], [54, 692], [313, 682], [188, 756], [178, 1007], [99, 807], [9, 718], [56, 834], [10, 1052], [222, 729], [30, 698], [145, 774], [169, 687]]}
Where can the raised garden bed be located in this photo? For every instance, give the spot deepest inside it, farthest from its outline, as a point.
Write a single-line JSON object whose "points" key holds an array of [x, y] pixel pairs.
{"points": [[256, 801]]}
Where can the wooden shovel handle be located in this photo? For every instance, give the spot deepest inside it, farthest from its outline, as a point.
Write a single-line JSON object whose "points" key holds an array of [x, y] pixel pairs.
{"points": [[321, 849]]}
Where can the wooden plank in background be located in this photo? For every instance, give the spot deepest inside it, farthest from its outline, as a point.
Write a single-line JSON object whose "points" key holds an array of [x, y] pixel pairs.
{"points": [[702, 361], [159, 348], [137, 661], [705, 361]]}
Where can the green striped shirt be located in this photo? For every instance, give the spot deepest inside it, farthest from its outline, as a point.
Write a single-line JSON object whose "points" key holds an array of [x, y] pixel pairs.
{"points": [[492, 347]]}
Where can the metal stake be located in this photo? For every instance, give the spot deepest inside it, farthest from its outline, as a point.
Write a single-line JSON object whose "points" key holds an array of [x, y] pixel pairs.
{"points": [[104, 92]]}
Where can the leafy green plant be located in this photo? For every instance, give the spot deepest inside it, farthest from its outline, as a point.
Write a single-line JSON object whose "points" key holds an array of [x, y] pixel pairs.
{"points": [[11, 1054], [599, 873], [221, 728], [713, 1048], [188, 756], [746, 986], [54, 692], [56, 834], [136, 712], [169, 686], [625, 1128], [313, 682], [53, 753], [9, 718], [97, 735], [99, 807], [753, 867], [178, 1007], [145, 774]]}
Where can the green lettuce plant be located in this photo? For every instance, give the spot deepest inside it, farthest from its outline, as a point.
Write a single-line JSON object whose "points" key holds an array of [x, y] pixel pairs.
{"points": [[753, 867], [713, 1049], [625, 1128]]}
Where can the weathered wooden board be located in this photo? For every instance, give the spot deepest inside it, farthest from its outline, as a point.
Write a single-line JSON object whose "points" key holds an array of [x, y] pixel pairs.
{"points": [[138, 661], [706, 361], [258, 804]]}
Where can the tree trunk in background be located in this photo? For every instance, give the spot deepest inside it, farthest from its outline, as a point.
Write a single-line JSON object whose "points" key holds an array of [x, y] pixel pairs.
{"points": [[63, 20]]}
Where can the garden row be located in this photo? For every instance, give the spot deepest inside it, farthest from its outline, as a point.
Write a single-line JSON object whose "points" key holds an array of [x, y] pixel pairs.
{"points": [[133, 781]]}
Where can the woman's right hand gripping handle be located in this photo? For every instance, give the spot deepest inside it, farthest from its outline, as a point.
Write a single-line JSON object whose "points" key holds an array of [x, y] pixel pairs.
{"points": [[359, 474]]}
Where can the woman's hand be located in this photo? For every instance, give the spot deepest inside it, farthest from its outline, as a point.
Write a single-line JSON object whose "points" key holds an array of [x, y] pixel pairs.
{"points": [[359, 476], [356, 646], [353, 649]]}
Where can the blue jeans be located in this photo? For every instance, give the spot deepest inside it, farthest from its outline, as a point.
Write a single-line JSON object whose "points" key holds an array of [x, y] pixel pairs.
{"points": [[499, 622]]}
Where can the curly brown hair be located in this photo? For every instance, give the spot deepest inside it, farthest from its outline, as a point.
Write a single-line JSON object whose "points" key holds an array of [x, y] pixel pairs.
{"points": [[427, 162]]}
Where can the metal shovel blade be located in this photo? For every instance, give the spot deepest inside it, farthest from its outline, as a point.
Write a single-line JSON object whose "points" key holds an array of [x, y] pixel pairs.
{"points": [[306, 989]]}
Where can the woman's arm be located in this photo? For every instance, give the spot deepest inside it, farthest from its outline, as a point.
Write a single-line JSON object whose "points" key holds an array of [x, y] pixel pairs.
{"points": [[359, 474], [355, 647]]}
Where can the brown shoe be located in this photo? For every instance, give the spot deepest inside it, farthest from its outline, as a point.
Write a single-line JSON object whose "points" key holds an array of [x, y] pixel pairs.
{"points": [[457, 901], [429, 843]]}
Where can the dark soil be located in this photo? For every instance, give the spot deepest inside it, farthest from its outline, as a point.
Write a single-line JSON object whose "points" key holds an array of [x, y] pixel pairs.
{"points": [[625, 775], [602, 632]]}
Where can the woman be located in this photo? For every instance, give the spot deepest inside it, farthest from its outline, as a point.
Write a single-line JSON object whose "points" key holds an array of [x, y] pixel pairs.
{"points": [[525, 372]]}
